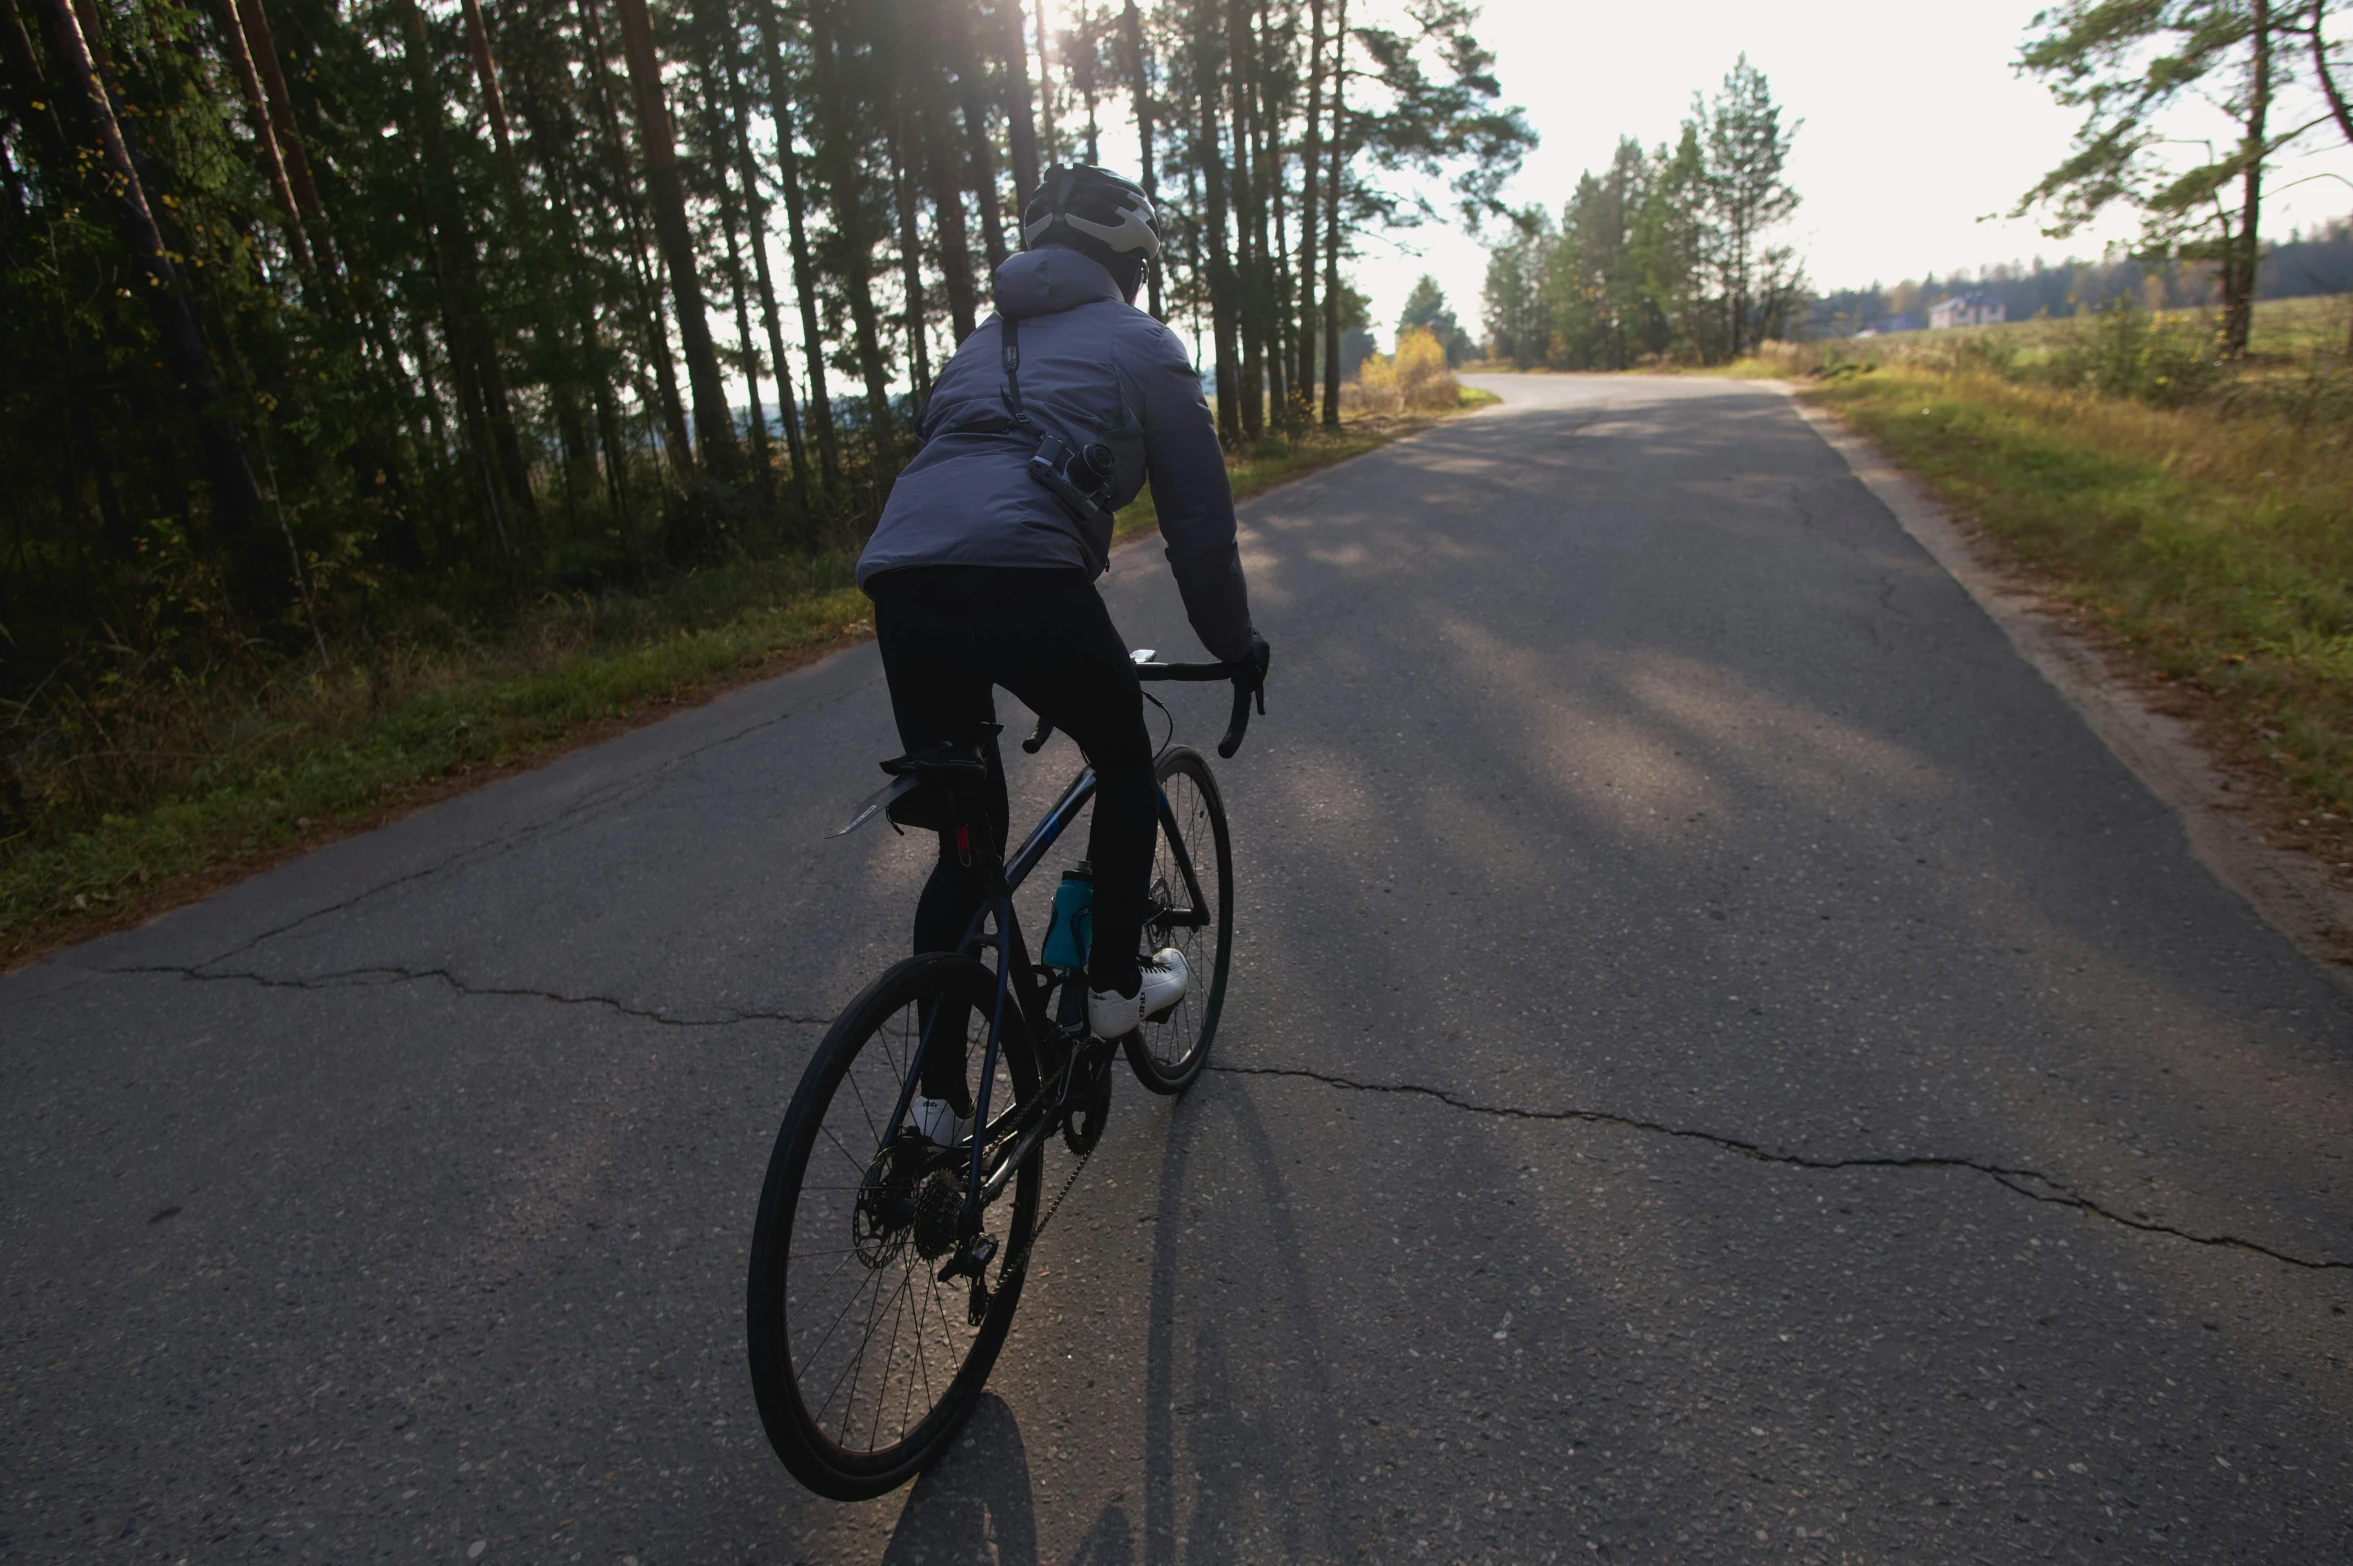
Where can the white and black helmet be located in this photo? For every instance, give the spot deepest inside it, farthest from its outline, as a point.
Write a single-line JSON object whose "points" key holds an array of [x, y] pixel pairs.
{"points": [[1096, 213]]}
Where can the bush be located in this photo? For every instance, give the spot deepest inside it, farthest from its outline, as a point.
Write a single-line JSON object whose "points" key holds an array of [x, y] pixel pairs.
{"points": [[1415, 381], [2164, 361]]}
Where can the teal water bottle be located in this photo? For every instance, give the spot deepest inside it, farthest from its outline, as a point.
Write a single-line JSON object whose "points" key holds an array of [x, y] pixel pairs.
{"points": [[1070, 929]]}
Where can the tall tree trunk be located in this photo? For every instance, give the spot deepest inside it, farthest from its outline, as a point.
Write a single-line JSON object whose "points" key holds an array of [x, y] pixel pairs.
{"points": [[855, 237], [2336, 105], [1048, 143], [236, 499], [748, 170], [265, 134], [1274, 249], [654, 321], [547, 324], [921, 160], [947, 202], [1311, 171], [1139, 71], [1086, 88], [655, 314], [29, 97], [494, 103], [714, 421], [910, 255], [763, 461], [1335, 194], [1246, 281], [473, 350], [264, 50], [731, 218], [1022, 133], [2241, 274], [1221, 271], [1278, 273], [955, 25], [804, 268], [1264, 205]]}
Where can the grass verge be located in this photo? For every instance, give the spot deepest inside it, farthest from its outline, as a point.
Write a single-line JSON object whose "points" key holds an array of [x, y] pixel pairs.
{"points": [[266, 772], [2214, 548]]}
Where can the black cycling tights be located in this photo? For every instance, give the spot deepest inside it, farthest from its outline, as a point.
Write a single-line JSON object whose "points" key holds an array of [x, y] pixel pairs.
{"points": [[950, 633]]}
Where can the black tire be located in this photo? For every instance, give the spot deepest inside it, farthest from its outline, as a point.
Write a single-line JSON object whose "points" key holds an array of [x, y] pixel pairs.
{"points": [[821, 1257], [1167, 1055]]}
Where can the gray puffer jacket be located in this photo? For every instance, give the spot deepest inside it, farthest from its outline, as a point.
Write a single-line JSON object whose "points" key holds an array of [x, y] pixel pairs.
{"points": [[1092, 367]]}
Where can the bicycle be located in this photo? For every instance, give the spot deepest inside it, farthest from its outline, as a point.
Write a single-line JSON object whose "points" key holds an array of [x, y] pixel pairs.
{"points": [[870, 1234]]}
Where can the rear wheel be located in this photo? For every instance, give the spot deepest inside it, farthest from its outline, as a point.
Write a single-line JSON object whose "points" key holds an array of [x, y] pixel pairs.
{"points": [[864, 1359], [1194, 914]]}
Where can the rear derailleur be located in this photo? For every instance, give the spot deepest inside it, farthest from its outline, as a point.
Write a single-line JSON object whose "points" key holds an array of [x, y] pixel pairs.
{"points": [[972, 1261]]}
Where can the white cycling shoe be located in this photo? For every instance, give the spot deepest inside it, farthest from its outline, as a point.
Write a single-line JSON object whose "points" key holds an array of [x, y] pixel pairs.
{"points": [[1112, 1015], [937, 1120]]}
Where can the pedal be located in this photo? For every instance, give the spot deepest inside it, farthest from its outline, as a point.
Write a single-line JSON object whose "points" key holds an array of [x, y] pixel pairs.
{"points": [[1087, 1100]]}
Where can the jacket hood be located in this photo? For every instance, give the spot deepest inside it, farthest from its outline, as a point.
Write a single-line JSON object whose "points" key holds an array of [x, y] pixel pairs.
{"points": [[1048, 280]]}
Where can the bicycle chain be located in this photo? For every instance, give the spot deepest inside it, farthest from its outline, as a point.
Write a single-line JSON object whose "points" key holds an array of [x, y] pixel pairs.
{"points": [[1021, 1262], [1018, 1265]]}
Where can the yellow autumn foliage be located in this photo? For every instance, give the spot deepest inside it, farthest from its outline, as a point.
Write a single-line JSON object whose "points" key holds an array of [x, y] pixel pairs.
{"points": [[1415, 380]]}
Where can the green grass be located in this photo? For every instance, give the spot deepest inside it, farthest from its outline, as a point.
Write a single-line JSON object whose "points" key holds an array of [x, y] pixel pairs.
{"points": [[144, 797]]}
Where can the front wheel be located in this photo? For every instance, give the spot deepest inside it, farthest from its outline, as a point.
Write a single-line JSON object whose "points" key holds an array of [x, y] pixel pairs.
{"points": [[1190, 906], [864, 1359]]}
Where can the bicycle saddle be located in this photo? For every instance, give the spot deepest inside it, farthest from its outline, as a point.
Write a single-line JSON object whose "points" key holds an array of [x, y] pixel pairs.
{"points": [[923, 786], [946, 762]]}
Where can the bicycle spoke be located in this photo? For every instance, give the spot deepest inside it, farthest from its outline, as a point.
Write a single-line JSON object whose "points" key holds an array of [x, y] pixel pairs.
{"points": [[873, 1361], [831, 1329], [889, 1356], [857, 1365], [847, 1156]]}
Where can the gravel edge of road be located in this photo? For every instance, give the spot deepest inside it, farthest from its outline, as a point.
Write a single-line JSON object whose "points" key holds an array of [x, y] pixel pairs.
{"points": [[2285, 887]]}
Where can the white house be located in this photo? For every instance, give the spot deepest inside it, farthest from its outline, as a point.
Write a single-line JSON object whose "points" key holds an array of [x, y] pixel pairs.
{"points": [[1967, 310]]}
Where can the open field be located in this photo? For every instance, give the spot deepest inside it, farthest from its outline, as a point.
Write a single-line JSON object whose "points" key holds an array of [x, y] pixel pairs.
{"points": [[2208, 531], [175, 791]]}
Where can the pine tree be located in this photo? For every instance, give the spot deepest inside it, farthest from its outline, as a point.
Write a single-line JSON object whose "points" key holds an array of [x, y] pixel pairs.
{"points": [[2129, 67], [1746, 149]]}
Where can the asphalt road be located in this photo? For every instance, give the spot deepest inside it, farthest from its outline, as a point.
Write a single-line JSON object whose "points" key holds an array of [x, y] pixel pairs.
{"points": [[1722, 1065]]}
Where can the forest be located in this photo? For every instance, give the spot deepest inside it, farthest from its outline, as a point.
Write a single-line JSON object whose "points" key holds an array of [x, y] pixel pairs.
{"points": [[1670, 255], [330, 320]]}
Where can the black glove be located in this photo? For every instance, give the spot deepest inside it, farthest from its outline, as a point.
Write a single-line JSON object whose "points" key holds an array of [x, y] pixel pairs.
{"points": [[1260, 653]]}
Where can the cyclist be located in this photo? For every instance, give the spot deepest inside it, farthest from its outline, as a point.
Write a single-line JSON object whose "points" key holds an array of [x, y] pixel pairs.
{"points": [[982, 568]]}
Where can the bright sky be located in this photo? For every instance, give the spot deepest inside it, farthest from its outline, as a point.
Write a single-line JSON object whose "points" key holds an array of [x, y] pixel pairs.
{"points": [[1914, 126]]}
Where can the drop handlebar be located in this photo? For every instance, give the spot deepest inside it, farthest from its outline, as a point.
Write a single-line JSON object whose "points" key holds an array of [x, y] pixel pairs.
{"points": [[1249, 684]]}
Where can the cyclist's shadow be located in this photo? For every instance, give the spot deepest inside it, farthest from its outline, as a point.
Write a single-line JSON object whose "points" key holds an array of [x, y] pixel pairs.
{"points": [[974, 1505], [1206, 1399]]}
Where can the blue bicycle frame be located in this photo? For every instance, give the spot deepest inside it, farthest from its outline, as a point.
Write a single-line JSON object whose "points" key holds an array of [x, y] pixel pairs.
{"points": [[1019, 979]]}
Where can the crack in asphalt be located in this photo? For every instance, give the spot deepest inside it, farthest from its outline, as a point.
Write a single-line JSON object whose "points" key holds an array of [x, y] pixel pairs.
{"points": [[352, 978], [2029, 1183]]}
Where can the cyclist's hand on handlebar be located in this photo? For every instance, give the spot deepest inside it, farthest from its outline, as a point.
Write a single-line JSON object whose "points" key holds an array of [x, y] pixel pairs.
{"points": [[1260, 653]]}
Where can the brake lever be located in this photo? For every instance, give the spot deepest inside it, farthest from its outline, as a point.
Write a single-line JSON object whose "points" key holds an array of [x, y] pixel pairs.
{"points": [[1037, 740]]}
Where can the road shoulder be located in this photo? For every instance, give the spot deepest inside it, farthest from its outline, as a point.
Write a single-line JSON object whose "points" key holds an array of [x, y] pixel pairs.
{"points": [[2288, 889]]}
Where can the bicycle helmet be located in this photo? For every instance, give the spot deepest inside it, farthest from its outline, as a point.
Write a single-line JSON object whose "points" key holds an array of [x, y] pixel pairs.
{"points": [[1098, 214]]}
